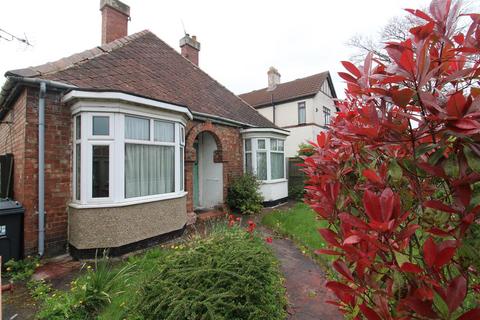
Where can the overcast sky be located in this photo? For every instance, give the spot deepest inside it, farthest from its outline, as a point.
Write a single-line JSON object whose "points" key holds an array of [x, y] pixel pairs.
{"points": [[240, 39]]}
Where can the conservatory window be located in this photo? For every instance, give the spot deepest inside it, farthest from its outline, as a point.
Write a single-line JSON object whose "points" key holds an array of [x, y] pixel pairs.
{"points": [[277, 159]]}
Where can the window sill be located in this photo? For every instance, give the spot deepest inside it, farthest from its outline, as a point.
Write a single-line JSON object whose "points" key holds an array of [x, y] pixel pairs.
{"points": [[273, 181], [128, 202]]}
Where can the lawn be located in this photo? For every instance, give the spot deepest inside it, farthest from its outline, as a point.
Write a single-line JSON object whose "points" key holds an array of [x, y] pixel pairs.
{"points": [[229, 274], [301, 225]]}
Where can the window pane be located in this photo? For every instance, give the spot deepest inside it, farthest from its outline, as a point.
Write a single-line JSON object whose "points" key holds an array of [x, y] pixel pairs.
{"points": [[277, 163], [181, 169], [248, 162], [182, 135], [100, 126], [248, 145], [280, 145], [100, 168], [164, 131], [301, 113], [262, 165], [273, 144], [78, 127], [77, 170], [149, 170], [261, 144], [137, 128]]}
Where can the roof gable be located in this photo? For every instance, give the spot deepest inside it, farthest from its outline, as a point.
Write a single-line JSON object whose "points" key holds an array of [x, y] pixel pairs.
{"points": [[145, 65], [299, 88]]}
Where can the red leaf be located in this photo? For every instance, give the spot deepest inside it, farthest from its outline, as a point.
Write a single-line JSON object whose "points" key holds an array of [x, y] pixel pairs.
{"points": [[342, 291], [369, 313], [406, 59], [352, 240], [371, 175], [352, 220], [402, 97], [371, 203], [429, 252], [328, 252], [347, 77], [410, 267], [456, 292], [329, 236], [342, 268], [473, 314], [321, 139], [438, 205], [352, 68], [420, 14], [444, 256], [459, 38], [456, 105], [422, 32]]}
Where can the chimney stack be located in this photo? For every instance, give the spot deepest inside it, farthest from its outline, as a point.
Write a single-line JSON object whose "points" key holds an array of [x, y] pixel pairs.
{"points": [[115, 17], [273, 78], [190, 48]]}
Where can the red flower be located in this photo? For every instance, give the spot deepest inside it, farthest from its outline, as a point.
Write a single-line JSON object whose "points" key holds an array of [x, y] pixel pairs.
{"points": [[268, 240]]}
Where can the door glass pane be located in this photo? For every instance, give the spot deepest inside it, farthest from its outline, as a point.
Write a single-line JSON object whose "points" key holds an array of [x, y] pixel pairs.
{"points": [[262, 165], [149, 170], [164, 131], [100, 171], [137, 128], [77, 170], [78, 127], [100, 126], [277, 163]]}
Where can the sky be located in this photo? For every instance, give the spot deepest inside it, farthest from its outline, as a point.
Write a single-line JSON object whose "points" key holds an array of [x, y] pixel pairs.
{"points": [[239, 40]]}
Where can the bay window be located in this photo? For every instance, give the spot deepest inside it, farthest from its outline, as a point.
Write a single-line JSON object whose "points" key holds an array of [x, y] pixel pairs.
{"points": [[124, 158], [265, 158]]}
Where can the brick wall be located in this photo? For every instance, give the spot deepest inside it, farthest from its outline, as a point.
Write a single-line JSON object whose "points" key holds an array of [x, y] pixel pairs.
{"points": [[229, 152], [21, 138]]}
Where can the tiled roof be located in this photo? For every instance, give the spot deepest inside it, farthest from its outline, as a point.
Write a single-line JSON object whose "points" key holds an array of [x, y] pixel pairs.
{"points": [[286, 91], [145, 65]]}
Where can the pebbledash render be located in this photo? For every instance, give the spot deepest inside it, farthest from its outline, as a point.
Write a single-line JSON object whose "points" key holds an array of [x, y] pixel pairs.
{"points": [[119, 146]]}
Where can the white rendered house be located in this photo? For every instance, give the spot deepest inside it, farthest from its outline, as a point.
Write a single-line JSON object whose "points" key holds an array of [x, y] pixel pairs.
{"points": [[303, 106]]}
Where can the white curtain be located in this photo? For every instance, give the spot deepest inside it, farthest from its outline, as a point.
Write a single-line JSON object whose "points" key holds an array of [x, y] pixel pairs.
{"points": [[149, 170], [137, 128], [164, 131], [277, 164], [262, 165]]}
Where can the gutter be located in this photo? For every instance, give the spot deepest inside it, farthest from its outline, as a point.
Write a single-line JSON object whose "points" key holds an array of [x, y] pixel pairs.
{"points": [[7, 95]]}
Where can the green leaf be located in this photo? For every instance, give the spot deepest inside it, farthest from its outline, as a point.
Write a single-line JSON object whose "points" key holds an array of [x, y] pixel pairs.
{"points": [[472, 159], [424, 148], [440, 305], [451, 166], [437, 155], [395, 171]]}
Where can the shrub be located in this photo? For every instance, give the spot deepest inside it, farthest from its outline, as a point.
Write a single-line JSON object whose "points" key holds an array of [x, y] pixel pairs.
{"points": [[244, 195], [395, 174], [20, 270], [88, 295], [229, 275]]}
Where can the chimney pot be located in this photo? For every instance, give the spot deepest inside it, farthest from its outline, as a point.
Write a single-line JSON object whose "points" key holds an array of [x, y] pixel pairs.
{"points": [[190, 48], [115, 17], [273, 78]]}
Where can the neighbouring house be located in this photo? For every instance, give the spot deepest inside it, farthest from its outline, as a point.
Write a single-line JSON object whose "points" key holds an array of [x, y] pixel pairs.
{"points": [[118, 146], [303, 106]]}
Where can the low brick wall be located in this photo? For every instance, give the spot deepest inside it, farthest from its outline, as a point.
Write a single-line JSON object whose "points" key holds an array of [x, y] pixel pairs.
{"points": [[120, 226]]}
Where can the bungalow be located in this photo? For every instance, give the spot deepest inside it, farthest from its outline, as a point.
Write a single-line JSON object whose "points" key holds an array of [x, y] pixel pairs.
{"points": [[118, 146]]}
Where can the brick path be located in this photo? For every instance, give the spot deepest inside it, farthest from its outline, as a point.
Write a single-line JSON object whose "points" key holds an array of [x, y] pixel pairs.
{"points": [[305, 283]]}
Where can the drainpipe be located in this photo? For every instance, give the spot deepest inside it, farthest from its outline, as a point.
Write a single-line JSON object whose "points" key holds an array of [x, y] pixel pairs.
{"points": [[41, 169]]}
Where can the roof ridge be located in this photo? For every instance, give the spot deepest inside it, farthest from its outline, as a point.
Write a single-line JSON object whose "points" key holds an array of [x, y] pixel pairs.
{"points": [[76, 58], [284, 83]]}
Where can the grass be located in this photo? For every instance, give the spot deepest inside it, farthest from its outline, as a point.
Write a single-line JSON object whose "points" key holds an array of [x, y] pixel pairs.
{"points": [[301, 225], [226, 275]]}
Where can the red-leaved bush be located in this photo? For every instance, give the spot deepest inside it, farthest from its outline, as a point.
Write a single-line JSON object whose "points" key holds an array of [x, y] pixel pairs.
{"points": [[397, 175]]}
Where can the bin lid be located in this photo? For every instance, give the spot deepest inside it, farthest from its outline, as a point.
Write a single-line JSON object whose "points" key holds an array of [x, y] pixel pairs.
{"points": [[8, 206]]}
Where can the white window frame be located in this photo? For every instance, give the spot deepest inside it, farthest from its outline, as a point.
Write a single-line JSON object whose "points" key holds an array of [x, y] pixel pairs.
{"points": [[327, 114], [268, 151], [116, 141], [302, 105]]}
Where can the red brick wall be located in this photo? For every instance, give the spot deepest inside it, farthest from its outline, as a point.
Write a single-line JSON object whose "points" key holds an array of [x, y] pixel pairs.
{"points": [[24, 134], [229, 152], [114, 25]]}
